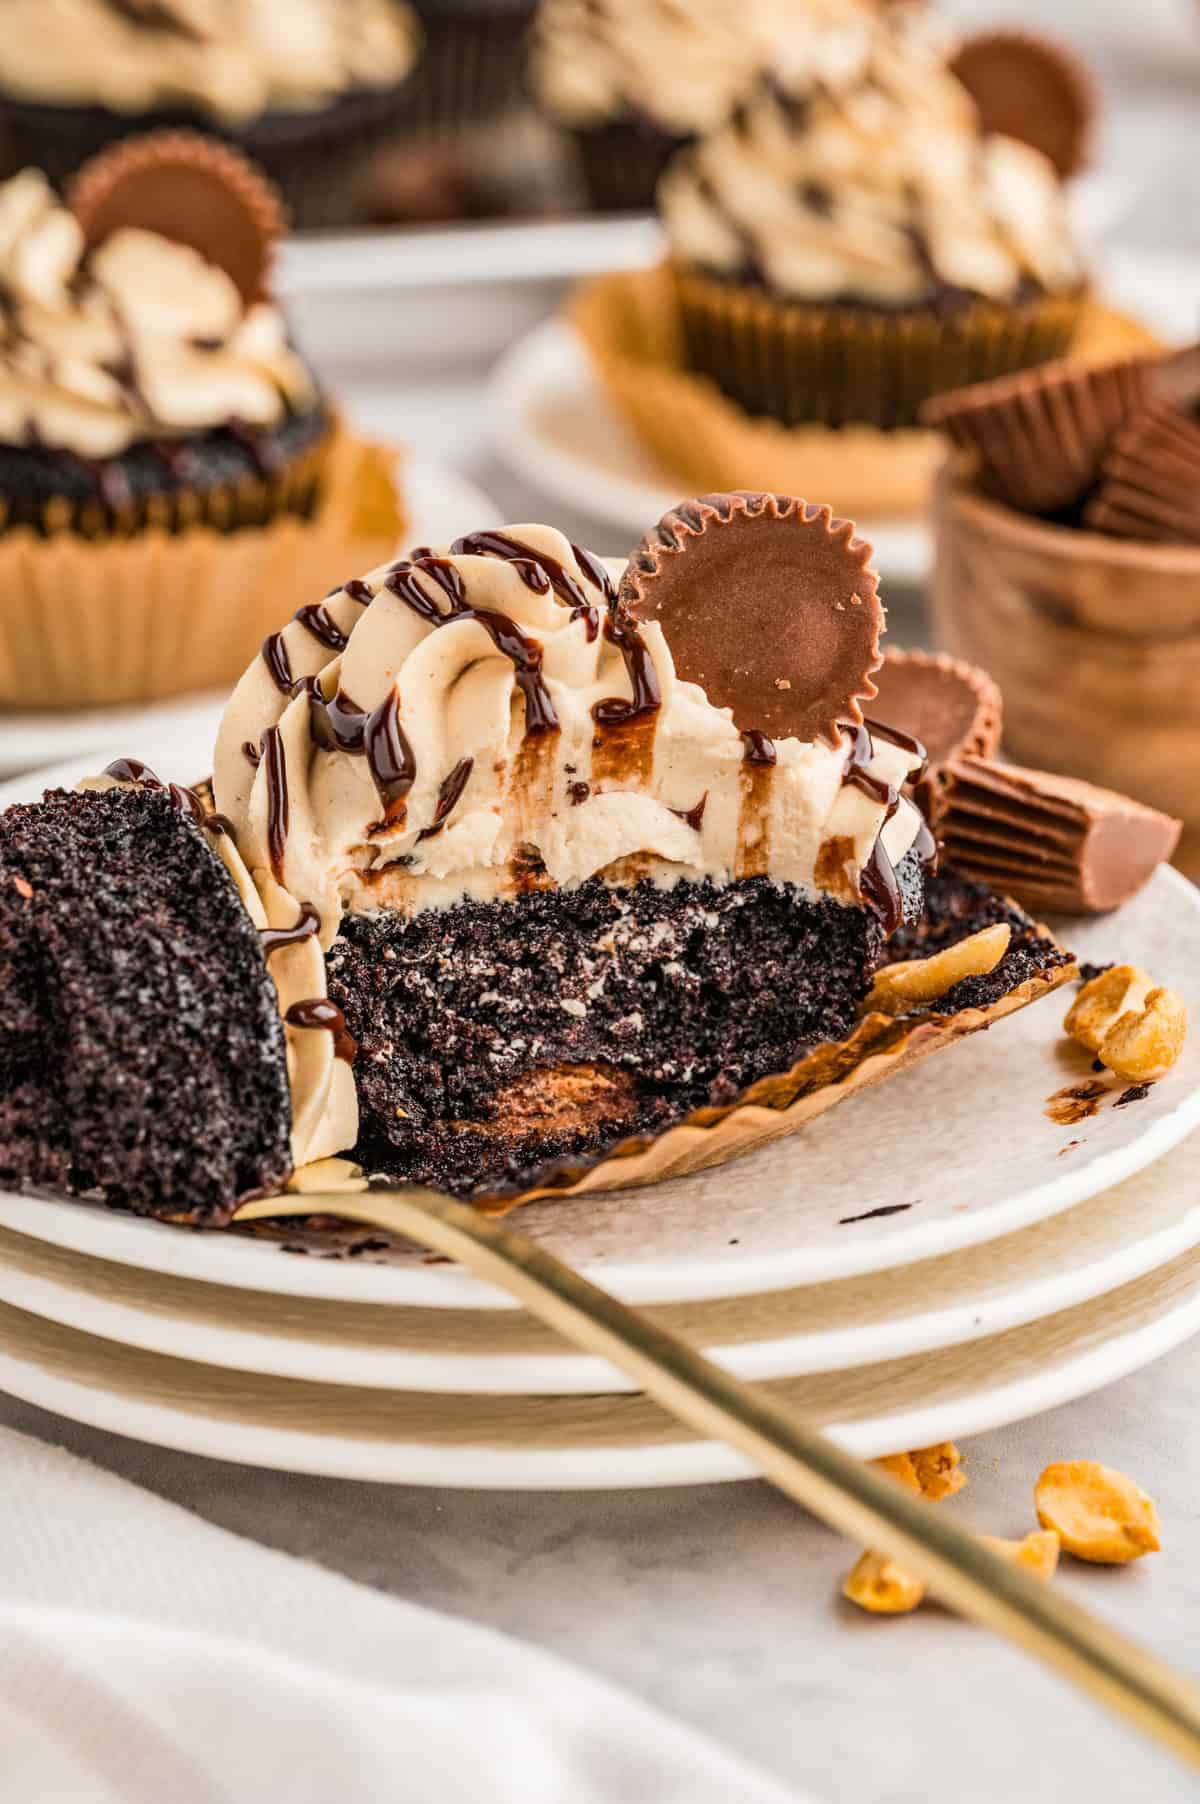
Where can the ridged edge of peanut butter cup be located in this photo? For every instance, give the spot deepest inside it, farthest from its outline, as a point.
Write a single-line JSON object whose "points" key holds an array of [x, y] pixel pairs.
{"points": [[1040, 436], [1051, 842], [192, 190], [954, 708], [1033, 88], [768, 603], [1149, 486]]}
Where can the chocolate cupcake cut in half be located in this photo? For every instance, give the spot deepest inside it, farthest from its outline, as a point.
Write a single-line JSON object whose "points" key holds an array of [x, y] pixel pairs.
{"points": [[142, 1055], [584, 921]]}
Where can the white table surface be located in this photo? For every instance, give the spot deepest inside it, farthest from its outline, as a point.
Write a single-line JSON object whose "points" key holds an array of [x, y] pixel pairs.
{"points": [[720, 1604]]}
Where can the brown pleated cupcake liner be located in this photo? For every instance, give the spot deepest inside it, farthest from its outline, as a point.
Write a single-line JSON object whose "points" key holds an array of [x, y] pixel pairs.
{"points": [[802, 364], [226, 508], [621, 163], [1149, 485], [1040, 436], [162, 613], [630, 326], [471, 70], [881, 1046]]}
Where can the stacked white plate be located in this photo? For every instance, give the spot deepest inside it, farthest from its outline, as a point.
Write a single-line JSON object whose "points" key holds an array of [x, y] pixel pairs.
{"points": [[935, 1258]]}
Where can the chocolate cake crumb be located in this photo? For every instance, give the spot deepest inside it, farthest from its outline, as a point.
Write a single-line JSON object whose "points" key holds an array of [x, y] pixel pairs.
{"points": [[141, 1051], [956, 907], [499, 1040]]}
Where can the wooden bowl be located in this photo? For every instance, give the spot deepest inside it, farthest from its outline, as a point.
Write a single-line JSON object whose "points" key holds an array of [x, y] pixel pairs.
{"points": [[1094, 642]]}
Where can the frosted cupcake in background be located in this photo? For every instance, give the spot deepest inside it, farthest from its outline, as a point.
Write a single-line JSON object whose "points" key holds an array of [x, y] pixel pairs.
{"points": [[169, 467], [634, 81], [309, 88], [850, 242]]}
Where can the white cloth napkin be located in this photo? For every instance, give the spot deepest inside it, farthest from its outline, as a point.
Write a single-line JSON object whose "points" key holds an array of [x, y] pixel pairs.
{"points": [[149, 1658]]}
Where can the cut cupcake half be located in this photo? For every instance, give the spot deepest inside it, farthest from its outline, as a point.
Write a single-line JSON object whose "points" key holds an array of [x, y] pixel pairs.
{"points": [[493, 893]]}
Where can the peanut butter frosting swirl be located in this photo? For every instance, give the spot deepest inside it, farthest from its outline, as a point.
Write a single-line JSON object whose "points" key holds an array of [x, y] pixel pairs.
{"points": [[875, 186], [141, 339], [232, 59], [473, 723], [686, 63]]}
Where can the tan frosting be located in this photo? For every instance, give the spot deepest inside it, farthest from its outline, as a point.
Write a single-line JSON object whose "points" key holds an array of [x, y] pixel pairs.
{"points": [[233, 59], [875, 186], [144, 340], [685, 63], [577, 801]]}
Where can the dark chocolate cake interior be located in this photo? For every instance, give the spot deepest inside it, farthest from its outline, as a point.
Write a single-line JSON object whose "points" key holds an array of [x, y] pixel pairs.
{"points": [[500, 1040], [141, 1051]]}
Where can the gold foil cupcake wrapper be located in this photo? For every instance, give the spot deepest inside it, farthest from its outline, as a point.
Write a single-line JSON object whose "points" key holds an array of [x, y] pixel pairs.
{"points": [[839, 366], [160, 613], [630, 327], [880, 1047]]}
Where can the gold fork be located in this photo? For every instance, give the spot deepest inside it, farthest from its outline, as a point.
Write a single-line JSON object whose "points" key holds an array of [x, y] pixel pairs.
{"points": [[802, 1462]]}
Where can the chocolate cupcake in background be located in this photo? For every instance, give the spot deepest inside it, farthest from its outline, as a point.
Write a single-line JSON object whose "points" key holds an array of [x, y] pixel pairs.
{"points": [[633, 81], [167, 460], [472, 66], [309, 88], [846, 247]]}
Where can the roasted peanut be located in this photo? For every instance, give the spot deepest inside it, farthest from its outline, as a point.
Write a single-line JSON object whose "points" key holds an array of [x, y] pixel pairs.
{"points": [[918, 980], [877, 1584], [1102, 1000], [1097, 1513], [1038, 1552], [930, 1472], [1141, 1046]]}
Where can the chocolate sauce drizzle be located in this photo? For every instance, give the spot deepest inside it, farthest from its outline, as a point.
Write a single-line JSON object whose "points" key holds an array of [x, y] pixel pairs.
{"points": [[317, 620], [449, 796], [318, 1011], [622, 631], [306, 924], [757, 748], [275, 766], [279, 667], [390, 759], [692, 817], [251, 752]]}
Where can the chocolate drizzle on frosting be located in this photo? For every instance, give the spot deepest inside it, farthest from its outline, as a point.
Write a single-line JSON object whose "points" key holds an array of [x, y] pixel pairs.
{"points": [[449, 796], [389, 758], [275, 767], [318, 1011], [307, 923], [321, 624], [275, 657]]}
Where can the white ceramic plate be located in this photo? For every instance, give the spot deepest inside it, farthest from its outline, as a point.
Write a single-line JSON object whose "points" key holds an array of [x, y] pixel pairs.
{"points": [[554, 424], [441, 504], [957, 1152], [1136, 1228], [541, 1443]]}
